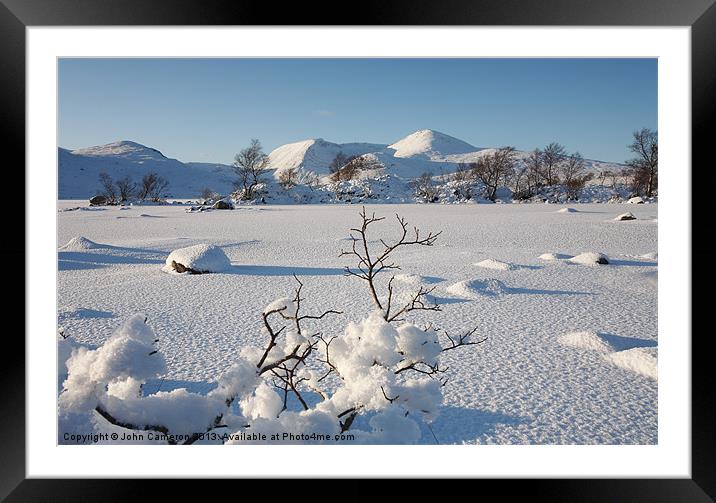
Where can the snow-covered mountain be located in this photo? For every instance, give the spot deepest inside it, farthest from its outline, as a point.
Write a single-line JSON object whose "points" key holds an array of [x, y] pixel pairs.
{"points": [[424, 151], [432, 145], [316, 155], [79, 170]]}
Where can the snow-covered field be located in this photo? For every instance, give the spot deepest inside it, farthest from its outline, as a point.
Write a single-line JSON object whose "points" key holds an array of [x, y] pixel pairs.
{"points": [[571, 351]]}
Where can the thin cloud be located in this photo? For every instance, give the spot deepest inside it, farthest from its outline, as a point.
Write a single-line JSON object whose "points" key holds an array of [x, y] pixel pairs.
{"points": [[324, 113]]}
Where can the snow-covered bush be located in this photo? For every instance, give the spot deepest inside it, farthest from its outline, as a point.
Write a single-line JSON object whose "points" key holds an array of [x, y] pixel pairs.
{"points": [[300, 385]]}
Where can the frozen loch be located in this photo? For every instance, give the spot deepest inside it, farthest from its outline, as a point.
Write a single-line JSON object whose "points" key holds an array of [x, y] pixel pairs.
{"points": [[568, 344]]}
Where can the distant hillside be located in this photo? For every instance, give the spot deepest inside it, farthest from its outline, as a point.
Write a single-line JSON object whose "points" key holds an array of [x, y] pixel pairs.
{"points": [[79, 170], [424, 151]]}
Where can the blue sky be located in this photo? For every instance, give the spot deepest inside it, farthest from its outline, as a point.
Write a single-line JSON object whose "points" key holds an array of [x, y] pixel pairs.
{"points": [[206, 110]]}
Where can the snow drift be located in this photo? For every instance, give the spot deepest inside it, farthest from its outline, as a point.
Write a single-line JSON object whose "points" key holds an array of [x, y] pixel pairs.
{"points": [[496, 265], [477, 288], [80, 243], [642, 361], [585, 340], [590, 258]]}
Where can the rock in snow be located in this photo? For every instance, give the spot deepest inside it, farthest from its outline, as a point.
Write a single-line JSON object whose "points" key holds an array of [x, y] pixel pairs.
{"points": [[98, 201], [625, 216], [636, 200], [590, 258], [222, 204], [568, 210], [197, 259]]}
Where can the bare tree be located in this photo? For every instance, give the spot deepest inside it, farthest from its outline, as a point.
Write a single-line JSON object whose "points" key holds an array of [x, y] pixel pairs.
{"points": [[644, 169], [571, 167], [463, 179], [520, 182], [424, 187], [250, 165], [462, 173], [534, 163], [108, 188], [152, 187], [288, 178], [126, 187], [309, 179], [573, 176], [575, 185], [623, 173], [552, 156], [207, 194], [352, 167], [492, 169], [337, 163], [147, 185]]}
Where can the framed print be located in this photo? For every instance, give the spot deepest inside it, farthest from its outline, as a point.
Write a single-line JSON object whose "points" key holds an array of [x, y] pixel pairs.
{"points": [[430, 234]]}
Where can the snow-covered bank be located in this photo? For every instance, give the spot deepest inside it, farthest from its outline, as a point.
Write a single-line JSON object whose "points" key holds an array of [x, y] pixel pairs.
{"points": [[386, 176]]}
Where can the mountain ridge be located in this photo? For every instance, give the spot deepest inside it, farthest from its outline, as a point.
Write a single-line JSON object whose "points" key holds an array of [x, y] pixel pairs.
{"points": [[423, 151]]}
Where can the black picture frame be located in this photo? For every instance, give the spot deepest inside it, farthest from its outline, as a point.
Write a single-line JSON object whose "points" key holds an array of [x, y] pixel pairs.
{"points": [[16, 15]]}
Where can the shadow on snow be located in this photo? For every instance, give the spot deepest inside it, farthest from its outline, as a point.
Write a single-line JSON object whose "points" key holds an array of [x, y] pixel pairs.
{"points": [[621, 343], [278, 270]]}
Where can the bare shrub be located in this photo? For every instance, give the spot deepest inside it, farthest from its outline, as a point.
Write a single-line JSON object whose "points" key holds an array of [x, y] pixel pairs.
{"points": [[392, 373]]}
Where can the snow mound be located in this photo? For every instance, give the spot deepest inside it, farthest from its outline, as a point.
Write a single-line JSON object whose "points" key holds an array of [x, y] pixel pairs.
{"points": [[200, 258], [585, 340], [477, 288], [590, 258], [635, 200], [650, 256], [497, 265], [553, 256], [568, 210], [430, 144], [80, 243], [411, 279], [641, 361], [625, 216]]}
